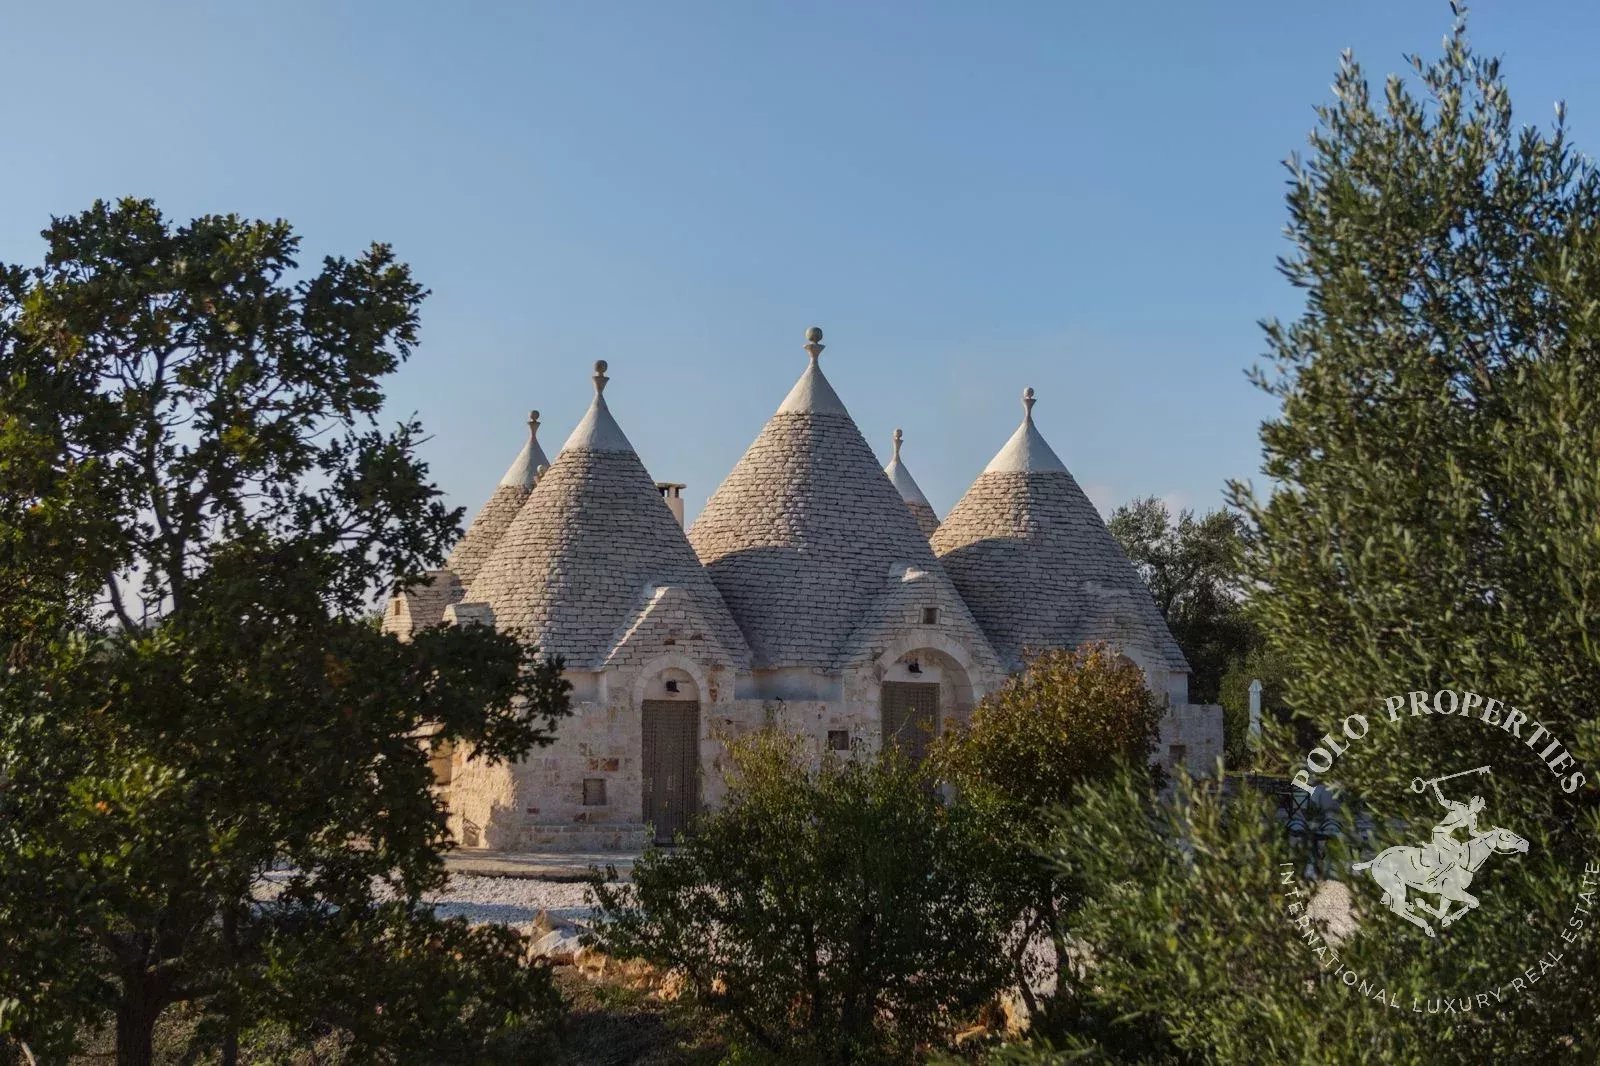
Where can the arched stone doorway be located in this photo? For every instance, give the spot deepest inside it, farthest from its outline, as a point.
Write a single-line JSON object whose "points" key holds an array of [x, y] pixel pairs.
{"points": [[922, 691]]}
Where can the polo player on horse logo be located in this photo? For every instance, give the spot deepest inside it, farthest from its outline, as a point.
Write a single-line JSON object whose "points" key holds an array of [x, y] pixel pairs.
{"points": [[1445, 847], [1445, 866]]}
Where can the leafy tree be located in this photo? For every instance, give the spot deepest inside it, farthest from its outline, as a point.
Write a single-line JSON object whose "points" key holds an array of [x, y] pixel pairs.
{"points": [[1070, 718], [210, 786], [1431, 524], [1202, 939], [1433, 516], [1193, 567], [835, 913], [1195, 955]]}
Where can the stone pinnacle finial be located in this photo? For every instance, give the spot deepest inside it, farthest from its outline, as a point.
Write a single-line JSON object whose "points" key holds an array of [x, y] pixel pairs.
{"points": [[814, 343], [533, 424], [600, 378], [1027, 404], [898, 437], [539, 473]]}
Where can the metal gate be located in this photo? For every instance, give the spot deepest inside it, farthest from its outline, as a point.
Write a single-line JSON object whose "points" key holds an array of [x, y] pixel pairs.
{"points": [[910, 716], [671, 765]]}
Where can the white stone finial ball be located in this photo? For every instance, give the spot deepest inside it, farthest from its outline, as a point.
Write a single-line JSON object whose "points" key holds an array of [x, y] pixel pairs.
{"points": [[814, 334], [600, 366]]}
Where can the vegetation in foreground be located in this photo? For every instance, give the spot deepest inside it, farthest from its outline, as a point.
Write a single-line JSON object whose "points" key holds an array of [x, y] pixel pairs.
{"points": [[833, 912], [211, 789]]}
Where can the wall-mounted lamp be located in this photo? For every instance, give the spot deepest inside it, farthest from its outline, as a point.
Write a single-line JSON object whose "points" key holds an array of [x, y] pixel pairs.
{"points": [[913, 667], [672, 686]]}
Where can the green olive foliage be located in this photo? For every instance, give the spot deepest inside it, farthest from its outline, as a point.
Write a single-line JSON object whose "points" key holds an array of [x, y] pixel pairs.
{"points": [[1431, 524]]}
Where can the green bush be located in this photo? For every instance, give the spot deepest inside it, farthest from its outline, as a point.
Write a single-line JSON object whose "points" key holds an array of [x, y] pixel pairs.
{"points": [[1070, 718], [838, 912], [1267, 666]]}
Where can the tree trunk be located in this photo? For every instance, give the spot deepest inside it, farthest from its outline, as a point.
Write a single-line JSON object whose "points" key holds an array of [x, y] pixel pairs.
{"points": [[136, 1024]]}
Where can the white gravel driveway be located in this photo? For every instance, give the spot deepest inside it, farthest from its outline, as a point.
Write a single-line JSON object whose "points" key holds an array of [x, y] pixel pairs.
{"points": [[511, 901]]}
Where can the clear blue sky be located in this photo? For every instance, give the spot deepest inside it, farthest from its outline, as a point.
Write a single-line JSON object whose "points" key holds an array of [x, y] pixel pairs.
{"points": [[969, 198]]}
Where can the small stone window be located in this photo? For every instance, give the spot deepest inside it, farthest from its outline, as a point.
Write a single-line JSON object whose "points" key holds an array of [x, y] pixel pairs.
{"points": [[930, 616], [594, 792], [838, 740]]}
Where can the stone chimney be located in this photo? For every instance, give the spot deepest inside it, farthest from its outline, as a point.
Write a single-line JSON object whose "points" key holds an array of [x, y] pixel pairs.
{"points": [[672, 492]]}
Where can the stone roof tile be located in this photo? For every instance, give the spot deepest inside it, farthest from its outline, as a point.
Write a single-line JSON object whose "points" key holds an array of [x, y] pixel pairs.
{"points": [[491, 522], [1036, 564], [802, 534], [594, 535]]}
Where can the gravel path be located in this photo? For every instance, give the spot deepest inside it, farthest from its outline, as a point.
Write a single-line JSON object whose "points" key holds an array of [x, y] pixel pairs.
{"points": [[511, 901]]}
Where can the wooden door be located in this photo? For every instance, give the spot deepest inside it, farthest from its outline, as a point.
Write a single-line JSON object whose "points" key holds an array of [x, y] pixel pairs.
{"points": [[671, 765], [910, 716]]}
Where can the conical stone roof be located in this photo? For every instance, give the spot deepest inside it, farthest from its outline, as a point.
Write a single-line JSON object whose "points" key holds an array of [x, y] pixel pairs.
{"points": [[1036, 564], [806, 533], [591, 547], [910, 491], [490, 523]]}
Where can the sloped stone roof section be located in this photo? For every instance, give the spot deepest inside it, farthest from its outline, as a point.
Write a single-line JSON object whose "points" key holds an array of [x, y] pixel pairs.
{"points": [[897, 613], [572, 569], [910, 491], [422, 605], [672, 618], [1037, 566], [491, 522], [800, 536]]}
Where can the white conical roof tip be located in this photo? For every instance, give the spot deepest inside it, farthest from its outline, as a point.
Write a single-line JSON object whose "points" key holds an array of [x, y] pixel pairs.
{"points": [[902, 480], [1026, 451], [599, 431], [812, 394], [523, 471]]}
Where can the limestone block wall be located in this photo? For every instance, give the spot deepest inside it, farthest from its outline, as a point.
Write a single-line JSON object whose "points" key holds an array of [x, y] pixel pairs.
{"points": [[542, 801], [1191, 737]]}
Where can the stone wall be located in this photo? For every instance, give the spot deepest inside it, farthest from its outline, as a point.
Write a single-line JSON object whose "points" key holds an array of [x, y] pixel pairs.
{"points": [[541, 803], [1191, 737]]}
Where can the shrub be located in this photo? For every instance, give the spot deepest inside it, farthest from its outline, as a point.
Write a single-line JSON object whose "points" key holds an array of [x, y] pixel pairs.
{"points": [[1071, 718], [833, 913]]}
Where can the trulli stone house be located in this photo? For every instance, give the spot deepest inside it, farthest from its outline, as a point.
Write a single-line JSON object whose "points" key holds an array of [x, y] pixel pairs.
{"points": [[815, 590]]}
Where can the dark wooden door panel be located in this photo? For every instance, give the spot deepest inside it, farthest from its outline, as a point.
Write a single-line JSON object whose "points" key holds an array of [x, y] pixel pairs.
{"points": [[910, 716], [671, 765]]}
